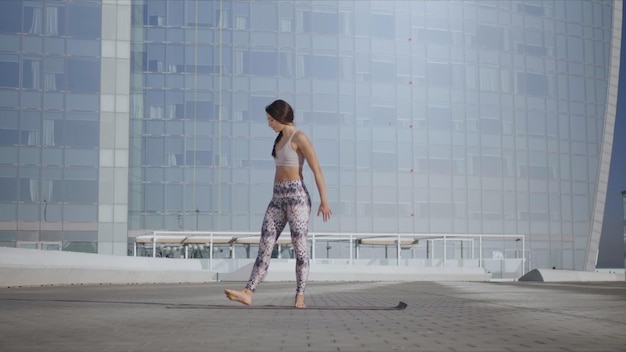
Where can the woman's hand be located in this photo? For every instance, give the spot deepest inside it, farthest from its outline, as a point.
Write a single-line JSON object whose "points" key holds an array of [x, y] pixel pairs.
{"points": [[324, 209]]}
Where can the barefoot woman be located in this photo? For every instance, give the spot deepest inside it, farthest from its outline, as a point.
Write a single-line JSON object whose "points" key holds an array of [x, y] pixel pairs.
{"points": [[290, 203]]}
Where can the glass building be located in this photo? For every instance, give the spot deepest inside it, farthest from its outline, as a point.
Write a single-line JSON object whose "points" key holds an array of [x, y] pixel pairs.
{"points": [[624, 210], [459, 117], [64, 86]]}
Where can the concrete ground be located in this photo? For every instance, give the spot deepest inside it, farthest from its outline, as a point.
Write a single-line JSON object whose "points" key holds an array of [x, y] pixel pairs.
{"points": [[441, 316]]}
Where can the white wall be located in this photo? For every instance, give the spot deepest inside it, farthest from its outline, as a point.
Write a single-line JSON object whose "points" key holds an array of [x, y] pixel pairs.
{"points": [[31, 267]]}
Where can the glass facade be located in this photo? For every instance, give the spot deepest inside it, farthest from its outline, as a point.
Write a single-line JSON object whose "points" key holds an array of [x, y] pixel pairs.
{"points": [[624, 210], [50, 59], [429, 117]]}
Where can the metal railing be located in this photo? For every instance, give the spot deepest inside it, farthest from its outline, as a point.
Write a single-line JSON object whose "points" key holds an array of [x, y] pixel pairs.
{"points": [[493, 252]]}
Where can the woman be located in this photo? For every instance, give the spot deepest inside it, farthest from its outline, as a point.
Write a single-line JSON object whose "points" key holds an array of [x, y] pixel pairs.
{"points": [[290, 203]]}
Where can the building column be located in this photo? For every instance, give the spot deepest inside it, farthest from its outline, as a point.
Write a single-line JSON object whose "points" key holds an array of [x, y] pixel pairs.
{"points": [[114, 128]]}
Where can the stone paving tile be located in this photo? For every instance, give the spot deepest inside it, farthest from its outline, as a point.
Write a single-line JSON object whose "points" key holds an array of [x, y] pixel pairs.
{"points": [[441, 316]]}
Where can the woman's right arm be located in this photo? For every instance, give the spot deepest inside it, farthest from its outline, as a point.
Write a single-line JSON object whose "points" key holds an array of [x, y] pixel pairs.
{"points": [[306, 148]]}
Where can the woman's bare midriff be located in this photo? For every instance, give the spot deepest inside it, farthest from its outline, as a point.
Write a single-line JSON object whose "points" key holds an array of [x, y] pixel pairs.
{"points": [[287, 173]]}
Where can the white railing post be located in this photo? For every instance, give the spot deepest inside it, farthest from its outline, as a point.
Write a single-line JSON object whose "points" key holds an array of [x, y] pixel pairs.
{"points": [[211, 251], [523, 254], [398, 248], [350, 245], [480, 251], [445, 251], [153, 244]]}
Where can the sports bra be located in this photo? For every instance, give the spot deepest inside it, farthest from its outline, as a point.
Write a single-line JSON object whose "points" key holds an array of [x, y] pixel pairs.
{"points": [[286, 156]]}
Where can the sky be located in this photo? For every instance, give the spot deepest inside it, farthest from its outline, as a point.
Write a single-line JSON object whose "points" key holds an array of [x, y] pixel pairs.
{"points": [[612, 240]]}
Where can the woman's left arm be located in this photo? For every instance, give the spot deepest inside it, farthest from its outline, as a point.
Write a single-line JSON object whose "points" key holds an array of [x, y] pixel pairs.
{"points": [[305, 147]]}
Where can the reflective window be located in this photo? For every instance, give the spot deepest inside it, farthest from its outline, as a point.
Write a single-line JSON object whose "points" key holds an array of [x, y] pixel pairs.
{"points": [[261, 63], [490, 37], [33, 19], [321, 22], [80, 47], [54, 45], [154, 198], [82, 134], [9, 71], [9, 134], [193, 9], [176, 13], [383, 71], [154, 151], [81, 191], [265, 16], [174, 197], [11, 16], [83, 75], [8, 189], [530, 9], [11, 42], [383, 26], [88, 102], [86, 21], [31, 73], [80, 213], [318, 66], [439, 75], [80, 246], [533, 84], [81, 157]]}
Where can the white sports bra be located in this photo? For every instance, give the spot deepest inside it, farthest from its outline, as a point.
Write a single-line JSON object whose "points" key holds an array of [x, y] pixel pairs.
{"points": [[286, 156]]}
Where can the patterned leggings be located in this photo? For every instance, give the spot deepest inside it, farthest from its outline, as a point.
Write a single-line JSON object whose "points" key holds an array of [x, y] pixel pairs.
{"points": [[291, 203]]}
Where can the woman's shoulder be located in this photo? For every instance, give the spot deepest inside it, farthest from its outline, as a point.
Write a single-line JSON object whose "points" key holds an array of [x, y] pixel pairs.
{"points": [[300, 136]]}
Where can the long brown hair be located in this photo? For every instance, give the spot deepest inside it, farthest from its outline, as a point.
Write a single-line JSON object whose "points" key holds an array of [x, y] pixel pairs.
{"points": [[282, 112]]}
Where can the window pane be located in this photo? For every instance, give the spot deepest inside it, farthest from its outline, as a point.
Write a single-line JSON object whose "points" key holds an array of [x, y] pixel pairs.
{"points": [[82, 134], [322, 23], [154, 198], [9, 134], [383, 26], [83, 247], [265, 16], [81, 157], [8, 189], [175, 13], [85, 23], [263, 63], [83, 75], [80, 191], [317, 66], [11, 16], [80, 213], [9, 71], [53, 19], [83, 47]]}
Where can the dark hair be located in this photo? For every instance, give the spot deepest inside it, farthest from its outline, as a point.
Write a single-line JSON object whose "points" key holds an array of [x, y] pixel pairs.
{"points": [[282, 112]]}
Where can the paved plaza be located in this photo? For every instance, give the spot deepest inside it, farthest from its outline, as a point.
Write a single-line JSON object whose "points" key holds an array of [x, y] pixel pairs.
{"points": [[440, 316]]}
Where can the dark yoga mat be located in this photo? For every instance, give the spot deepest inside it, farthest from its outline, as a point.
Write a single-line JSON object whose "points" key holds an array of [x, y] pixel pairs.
{"points": [[400, 306]]}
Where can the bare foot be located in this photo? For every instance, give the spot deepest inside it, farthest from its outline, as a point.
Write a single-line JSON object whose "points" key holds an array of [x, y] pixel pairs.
{"points": [[244, 296], [300, 301]]}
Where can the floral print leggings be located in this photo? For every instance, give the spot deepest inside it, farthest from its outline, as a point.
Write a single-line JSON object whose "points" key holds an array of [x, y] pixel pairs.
{"points": [[291, 203]]}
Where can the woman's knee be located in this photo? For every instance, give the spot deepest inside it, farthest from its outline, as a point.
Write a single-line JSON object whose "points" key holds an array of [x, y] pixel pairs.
{"points": [[300, 248]]}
